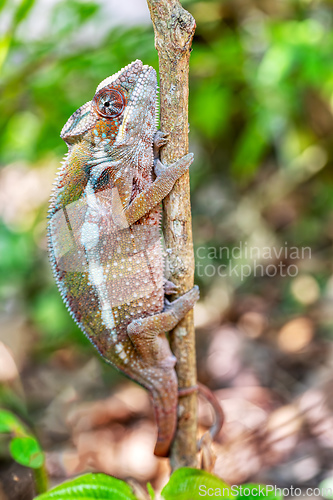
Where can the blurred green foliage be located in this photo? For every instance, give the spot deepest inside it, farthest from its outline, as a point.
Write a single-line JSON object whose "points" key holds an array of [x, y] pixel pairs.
{"points": [[261, 119], [24, 447]]}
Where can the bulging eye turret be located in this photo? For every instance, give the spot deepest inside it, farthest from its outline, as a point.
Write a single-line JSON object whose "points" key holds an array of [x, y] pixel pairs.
{"points": [[109, 103]]}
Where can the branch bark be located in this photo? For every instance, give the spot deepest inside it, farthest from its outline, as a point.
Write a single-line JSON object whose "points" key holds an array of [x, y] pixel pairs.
{"points": [[174, 29]]}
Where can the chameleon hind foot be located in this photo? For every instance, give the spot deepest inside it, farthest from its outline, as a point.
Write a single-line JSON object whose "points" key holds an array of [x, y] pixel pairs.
{"points": [[166, 320], [145, 333]]}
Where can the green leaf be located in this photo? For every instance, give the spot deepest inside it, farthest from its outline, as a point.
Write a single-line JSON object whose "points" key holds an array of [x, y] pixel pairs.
{"points": [[11, 424], [151, 491], [326, 488], [24, 448], [252, 491], [89, 487], [193, 484], [26, 451]]}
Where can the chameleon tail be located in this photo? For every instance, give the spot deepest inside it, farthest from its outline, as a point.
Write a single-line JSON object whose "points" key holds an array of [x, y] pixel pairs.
{"points": [[165, 399], [158, 369]]}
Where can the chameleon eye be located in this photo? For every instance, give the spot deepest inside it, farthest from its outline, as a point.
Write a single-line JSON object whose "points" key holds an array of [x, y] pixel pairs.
{"points": [[109, 103]]}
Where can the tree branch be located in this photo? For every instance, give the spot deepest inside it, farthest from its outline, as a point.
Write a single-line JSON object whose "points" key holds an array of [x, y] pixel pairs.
{"points": [[174, 29]]}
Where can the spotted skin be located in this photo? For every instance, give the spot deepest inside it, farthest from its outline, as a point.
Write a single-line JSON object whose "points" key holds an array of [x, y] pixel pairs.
{"points": [[104, 236]]}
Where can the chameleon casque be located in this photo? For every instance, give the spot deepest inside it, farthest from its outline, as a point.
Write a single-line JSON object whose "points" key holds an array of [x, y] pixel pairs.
{"points": [[104, 236]]}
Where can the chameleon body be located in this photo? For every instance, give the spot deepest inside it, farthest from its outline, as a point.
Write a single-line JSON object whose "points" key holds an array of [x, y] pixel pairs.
{"points": [[104, 236]]}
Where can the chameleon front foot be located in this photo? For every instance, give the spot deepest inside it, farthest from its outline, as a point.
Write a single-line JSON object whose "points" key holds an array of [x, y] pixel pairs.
{"points": [[160, 140], [175, 170], [156, 192]]}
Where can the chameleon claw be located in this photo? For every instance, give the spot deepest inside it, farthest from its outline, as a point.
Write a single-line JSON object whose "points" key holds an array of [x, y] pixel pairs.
{"points": [[170, 288], [167, 303], [159, 168], [175, 170], [160, 139]]}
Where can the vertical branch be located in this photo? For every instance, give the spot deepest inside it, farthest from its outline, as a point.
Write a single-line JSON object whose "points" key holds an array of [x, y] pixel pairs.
{"points": [[174, 29]]}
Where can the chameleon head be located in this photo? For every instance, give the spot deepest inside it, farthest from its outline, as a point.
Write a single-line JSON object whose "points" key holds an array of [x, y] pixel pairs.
{"points": [[122, 111]]}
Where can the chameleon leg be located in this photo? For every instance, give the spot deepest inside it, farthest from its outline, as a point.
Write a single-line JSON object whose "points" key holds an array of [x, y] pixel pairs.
{"points": [[147, 335], [154, 194], [152, 326]]}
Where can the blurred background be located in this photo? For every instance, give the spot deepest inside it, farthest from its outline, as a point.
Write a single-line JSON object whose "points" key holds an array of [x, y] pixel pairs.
{"points": [[261, 119]]}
